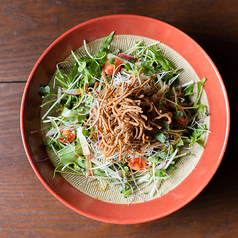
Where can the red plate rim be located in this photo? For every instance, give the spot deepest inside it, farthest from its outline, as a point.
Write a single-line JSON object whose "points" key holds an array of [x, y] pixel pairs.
{"points": [[218, 107]]}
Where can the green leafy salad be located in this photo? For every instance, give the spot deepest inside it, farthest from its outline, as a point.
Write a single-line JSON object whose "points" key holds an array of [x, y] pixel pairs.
{"points": [[122, 117]]}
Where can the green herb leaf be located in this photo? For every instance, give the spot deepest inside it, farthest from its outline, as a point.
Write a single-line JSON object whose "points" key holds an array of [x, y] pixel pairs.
{"points": [[99, 172], [180, 143], [173, 79], [166, 126], [161, 59], [82, 66], [126, 193], [128, 67], [171, 167], [104, 49], [160, 137], [153, 159], [74, 71], [202, 108], [197, 133], [69, 153], [163, 154], [45, 91], [111, 61], [66, 123], [161, 173], [126, 169], [146, 68], [188, 90], [107, 41], [177, 114], [199, 87], [72, 115]]}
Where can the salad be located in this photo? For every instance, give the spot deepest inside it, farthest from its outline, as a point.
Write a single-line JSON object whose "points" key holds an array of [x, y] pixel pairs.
{"points": [[122, 117]]}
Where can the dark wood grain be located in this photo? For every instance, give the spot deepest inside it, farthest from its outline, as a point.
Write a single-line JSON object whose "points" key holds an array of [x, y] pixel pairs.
{"points": [[27, 28]]}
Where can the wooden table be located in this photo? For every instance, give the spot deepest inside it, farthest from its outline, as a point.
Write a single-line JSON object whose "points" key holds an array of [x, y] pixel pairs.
{"points": [[27, 28]]}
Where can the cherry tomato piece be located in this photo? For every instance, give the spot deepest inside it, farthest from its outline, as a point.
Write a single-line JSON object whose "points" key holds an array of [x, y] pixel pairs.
{"points": [[109, 68], [137, 164], [69, 136]]}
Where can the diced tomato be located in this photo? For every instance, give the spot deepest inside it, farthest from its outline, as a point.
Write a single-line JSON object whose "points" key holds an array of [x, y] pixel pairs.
{"points": [[69, 136], [109, 68], [137, 164]]}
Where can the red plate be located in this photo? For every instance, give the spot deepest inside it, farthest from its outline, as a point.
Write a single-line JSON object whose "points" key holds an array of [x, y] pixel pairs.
{"points": [[218, 108]]}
